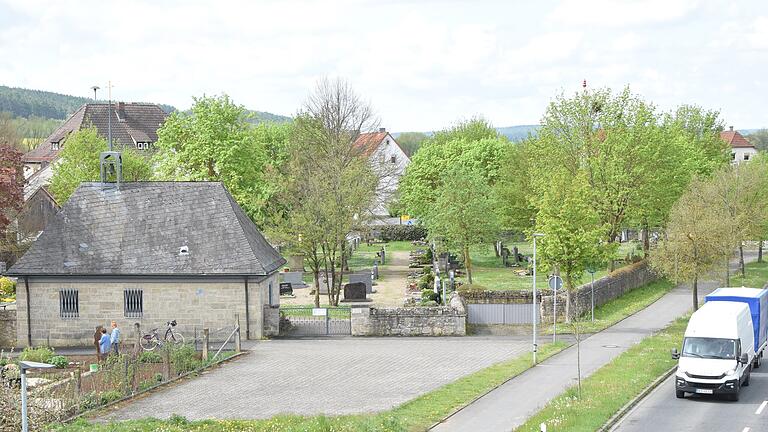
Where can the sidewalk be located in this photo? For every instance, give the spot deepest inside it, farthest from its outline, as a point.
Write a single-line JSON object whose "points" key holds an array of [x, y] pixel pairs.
{"points": [[513, 403]]}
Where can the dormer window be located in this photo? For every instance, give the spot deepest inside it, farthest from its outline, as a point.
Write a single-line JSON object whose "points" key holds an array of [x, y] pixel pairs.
{"points": [[55, 145], [143, 145], [393, 159]]}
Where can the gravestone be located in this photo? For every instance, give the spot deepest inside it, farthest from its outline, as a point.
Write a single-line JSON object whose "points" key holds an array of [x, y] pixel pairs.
{"points": [[323, 285], [375, 271], [294, 278], [363, 278], [516, 255], [442, 261], [286, 289], [355, 292], [505, 256]]}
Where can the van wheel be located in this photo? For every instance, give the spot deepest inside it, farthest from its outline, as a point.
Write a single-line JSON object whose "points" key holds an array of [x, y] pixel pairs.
{"points": [[680, 394], [758, 361], [746, 380]]}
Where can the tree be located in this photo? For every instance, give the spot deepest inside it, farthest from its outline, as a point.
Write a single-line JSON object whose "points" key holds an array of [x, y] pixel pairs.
{"points": [[11, 185], [473, 144], [697, 239], [215, 142], [759, 139], [9, 136], [411, 141], [573, 231], [516, 207], [79, 162], [330, 184], [463, 214]]}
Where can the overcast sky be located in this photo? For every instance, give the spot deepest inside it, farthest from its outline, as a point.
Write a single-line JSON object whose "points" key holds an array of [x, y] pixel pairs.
{"points": [[422, 64]]}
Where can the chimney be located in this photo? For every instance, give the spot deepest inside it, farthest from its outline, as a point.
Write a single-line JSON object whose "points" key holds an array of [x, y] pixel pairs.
{"points": [[121, 111], [382, 129], [731, 128]]}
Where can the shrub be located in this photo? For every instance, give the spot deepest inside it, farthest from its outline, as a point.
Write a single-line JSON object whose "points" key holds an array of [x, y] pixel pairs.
{"points": [[428, 295], [471, 288], [88, 401], [184, 359], [110, 396], [7, 287], [403, 232], [59, 361], [150, 357], [158, 377], [426, 281], [40, 354]]}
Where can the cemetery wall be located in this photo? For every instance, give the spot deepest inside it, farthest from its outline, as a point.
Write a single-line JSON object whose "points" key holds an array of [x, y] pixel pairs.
{"points": [[606, 289], [271, 320], [498, 297], [8, 327], [410, 321]]}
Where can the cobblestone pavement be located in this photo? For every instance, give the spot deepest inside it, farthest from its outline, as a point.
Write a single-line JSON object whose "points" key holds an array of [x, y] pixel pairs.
{"points": [[329, 376]]}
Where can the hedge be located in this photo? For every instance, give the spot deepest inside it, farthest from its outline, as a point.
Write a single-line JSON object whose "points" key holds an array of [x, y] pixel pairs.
{"points": [[403, 232]]}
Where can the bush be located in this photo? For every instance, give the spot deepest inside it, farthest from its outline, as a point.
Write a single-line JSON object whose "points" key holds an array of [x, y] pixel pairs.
{"points": [[7, 288], [428, 295], [427, 281], [184, 359], [40, 354], [471, 288], [59, 361], [110, 396], [403, 232], [149, 357]]}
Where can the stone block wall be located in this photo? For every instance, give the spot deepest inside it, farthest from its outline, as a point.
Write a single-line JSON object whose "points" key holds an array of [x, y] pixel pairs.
{"points": [[8, 327], [409, 321], [499, 297], [271, 320]]}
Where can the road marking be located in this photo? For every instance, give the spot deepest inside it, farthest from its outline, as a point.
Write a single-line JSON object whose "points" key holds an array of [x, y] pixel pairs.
{"points": [[746, 429], [762, 407]]}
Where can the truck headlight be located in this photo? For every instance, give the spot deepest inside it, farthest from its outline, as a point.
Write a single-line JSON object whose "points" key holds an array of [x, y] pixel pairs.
{"points": [[730, 372]]}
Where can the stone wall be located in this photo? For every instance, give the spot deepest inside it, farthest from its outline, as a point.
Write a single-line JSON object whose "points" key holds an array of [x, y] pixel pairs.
{"points": [[411, 321], [606, 289], [193, 303], [271, 320], [499, 297], [8, 327]]}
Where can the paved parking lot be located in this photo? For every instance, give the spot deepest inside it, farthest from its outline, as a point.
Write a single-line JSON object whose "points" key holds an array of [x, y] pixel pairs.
{"points": [[330, 376]]}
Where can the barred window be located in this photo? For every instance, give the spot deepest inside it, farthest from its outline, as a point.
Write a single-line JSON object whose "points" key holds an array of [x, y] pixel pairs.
{"points": [[133, 304], [69, 305]]}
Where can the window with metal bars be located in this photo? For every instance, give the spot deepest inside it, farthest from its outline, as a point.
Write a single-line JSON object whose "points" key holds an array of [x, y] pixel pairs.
{"points": [[69, 305], [133, 304]]}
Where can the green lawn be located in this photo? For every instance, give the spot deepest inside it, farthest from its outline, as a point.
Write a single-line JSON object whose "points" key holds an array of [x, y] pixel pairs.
{"points": [[757, 276], [415, 415], [611, 387]]}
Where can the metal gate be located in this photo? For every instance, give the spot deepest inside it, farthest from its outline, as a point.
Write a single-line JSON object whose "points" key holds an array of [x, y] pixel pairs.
{"points": [[501, 313], [309, 321]]}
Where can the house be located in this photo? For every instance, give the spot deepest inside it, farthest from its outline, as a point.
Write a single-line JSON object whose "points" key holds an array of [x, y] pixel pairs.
{"points": [[134, 125], [741, 149], [389, 161], [147, 253]]}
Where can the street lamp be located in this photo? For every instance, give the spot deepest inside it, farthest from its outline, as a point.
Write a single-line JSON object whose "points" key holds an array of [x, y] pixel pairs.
{"points": [[24, 365], [535, 305]]}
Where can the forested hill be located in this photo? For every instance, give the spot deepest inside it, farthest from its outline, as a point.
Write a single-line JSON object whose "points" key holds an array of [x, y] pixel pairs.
{"points": [[38, 103]]}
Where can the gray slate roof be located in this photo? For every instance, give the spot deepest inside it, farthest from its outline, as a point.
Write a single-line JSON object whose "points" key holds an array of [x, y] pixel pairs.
{"points": [[139, 229]]}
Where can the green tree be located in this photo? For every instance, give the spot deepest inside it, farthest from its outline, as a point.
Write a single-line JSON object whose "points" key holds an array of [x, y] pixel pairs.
{"points": [[573, 231], [516, 206], [463, 214], [759, 139], [697, 238], [79, 162], [9, 136], [215, 142], [11, 184], [411, 141]]}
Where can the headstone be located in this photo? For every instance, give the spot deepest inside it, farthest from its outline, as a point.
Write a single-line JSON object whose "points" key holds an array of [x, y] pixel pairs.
{"points": [[323, 285], [375, 271], [516, 255], [364, 278], [355, 292], [505, 257], [442, 261], [294, 278], [383, 256], [296, 263], [286, 289]]}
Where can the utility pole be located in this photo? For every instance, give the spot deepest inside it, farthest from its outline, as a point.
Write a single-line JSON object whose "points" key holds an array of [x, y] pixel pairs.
{"points": [[535, 303]]}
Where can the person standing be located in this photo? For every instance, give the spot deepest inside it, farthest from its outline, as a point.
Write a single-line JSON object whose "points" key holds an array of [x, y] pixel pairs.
{"points": [[114, 338], [96, 340], [104, 344]]}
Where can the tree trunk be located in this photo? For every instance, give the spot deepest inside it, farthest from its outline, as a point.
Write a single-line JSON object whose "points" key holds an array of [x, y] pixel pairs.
{"points": [[741, 260], [646, 239], [568, 289], [316, 274], [727, 272], [211, 171], [760, 251], [468, 264], [695, 293]]}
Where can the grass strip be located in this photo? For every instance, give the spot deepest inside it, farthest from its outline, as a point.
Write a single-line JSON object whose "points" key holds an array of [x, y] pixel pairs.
{"points": [[756, 275], [611, 387], [415, 415]]}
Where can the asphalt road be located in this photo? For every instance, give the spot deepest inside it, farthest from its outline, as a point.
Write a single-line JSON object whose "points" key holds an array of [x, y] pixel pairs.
{"points": [[661, 411]]}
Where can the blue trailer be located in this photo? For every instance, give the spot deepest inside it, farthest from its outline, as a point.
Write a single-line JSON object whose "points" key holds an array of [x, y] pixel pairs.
{"points": [[757, 299]]}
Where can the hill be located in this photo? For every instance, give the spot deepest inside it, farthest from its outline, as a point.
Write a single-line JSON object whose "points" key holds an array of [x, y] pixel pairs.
{"points": [[518, 133], [263, 116]]}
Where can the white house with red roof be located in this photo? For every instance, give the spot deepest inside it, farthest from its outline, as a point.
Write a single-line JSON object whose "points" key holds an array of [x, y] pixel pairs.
{"points": [[741, 149], [389, 161]]}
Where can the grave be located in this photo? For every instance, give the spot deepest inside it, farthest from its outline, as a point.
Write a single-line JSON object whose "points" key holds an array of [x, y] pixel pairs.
{"points": [[286, 289], [364, 278], [355, 292], [293, 278]]}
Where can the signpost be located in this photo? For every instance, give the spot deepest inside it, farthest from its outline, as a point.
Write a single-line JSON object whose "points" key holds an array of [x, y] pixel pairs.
{"points": [[24, 365], [592, 271], [535, 303], [555, 283]]}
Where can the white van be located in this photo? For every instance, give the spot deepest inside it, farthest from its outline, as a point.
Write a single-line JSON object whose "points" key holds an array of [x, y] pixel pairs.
{"points": [[718, 350]]}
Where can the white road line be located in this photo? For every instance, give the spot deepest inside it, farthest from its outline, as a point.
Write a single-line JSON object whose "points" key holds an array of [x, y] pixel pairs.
{"points": [[746, 429], [762, 407]]}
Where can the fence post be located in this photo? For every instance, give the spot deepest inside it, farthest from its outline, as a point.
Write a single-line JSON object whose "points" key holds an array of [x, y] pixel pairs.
{"points": [[166, 362], [78, 381], [237, 333], [137, 347], [205, 344], [126, 380]]}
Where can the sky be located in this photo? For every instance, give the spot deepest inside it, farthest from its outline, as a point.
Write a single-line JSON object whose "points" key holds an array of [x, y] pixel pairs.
{"points": [[422, 65]]}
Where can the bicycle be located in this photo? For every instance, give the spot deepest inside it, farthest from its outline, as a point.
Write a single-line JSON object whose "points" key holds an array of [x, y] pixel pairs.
{"points": [[151, 340]]}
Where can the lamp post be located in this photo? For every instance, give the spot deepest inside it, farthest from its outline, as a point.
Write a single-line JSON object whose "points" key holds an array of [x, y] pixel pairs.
{"points": [[24, 365], [535, 303]]}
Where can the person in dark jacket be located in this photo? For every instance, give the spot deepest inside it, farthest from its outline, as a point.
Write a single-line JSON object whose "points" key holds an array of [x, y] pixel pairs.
{"points": [[96, 340]]}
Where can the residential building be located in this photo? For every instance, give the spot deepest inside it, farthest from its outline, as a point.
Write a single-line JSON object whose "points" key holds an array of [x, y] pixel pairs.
{"points": [[147, 253], [741, 149], [389, 161]]}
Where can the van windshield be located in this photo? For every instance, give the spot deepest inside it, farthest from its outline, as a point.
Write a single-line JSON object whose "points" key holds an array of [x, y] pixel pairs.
{"points": [[709, 348]]}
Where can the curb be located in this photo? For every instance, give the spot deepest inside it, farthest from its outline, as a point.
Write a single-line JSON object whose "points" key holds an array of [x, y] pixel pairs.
{"points": [[616, 418]]}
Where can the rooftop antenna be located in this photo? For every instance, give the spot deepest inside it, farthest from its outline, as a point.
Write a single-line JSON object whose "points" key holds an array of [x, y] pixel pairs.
{"points": [[584, 84], [94, 88], [109, 116]]}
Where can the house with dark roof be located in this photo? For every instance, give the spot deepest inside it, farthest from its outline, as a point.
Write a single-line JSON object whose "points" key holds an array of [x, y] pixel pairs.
{"points": [[389, 160], [147, 253], [741, 149]]}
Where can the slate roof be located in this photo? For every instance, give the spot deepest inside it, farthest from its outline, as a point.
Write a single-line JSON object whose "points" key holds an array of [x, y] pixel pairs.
{"points": [[139, 229], [134, 122], [735, 139]]}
